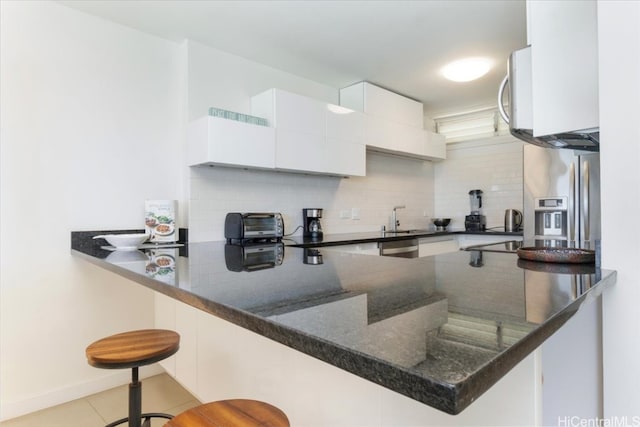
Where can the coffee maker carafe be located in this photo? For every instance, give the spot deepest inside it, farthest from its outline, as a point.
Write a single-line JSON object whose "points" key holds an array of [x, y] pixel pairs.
{"points": [[311, 227], [476, 221]]}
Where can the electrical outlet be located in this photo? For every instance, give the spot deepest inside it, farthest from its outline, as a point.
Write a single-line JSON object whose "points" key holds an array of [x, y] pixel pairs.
{"points": [[355, 213], [345, 214]]}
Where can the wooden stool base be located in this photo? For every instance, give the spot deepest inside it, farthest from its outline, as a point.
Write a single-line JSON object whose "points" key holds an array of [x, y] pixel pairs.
{"points": [[231, 413]]}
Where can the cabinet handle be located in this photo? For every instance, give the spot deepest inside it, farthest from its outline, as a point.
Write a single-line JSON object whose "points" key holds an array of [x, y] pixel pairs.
{"points": [[503, 86]]}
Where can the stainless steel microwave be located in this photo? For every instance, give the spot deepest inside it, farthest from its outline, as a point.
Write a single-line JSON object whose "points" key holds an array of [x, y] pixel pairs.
{"points": [[520, 109]]}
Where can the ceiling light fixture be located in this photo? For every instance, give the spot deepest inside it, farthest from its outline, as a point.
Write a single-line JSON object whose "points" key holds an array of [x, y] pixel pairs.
{"points": [[465, 70]]}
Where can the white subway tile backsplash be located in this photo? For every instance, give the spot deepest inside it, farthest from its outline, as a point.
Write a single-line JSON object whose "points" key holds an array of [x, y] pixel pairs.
{"points": [[437, 189], [493, 165], [390, 181]]}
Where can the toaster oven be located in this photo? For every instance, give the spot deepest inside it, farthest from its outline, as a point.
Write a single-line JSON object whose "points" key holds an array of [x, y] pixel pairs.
{"points": [[246, 227]]}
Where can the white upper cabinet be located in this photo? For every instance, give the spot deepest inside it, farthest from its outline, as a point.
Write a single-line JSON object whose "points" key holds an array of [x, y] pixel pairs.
{"points": [[313, 136], [564, 68], [219, 141], [394, 123], [375, 101]]}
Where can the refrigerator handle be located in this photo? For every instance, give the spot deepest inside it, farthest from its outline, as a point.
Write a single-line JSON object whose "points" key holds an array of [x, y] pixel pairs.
{"points": [[585, 198], [572, 203]]}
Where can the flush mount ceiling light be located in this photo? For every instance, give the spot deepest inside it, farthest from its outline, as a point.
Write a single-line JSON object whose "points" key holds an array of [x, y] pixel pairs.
{"points": [[465, 70]]}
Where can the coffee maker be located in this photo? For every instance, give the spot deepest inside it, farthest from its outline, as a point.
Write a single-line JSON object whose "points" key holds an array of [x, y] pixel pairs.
{"points": [[476, 221], [311, 227]]}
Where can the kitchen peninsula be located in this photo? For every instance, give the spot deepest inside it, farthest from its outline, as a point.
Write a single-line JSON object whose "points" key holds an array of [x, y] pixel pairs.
{"points": [[441, 330]]}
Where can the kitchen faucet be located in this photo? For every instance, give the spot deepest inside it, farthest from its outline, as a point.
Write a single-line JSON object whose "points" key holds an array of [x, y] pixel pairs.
{"points": [[394, 218]]}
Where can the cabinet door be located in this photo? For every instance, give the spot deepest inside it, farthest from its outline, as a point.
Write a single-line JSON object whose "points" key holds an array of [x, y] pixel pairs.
{"points": [[345, 158], [358, 248], [410, 140], [345, 150], [379, 102], [214, 140], [435, 146], [564, 65], [344, 124], [380, 133], [165, 318], [429, 247], [299, 113], [299, 151], [186, 358]]}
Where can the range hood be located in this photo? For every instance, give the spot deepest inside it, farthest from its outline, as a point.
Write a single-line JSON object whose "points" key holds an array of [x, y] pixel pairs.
{"points": [[520, 117]]}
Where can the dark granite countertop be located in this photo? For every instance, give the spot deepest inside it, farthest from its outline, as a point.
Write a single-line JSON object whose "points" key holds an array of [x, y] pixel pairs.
{"points": [[441, 330], [367, 237]]}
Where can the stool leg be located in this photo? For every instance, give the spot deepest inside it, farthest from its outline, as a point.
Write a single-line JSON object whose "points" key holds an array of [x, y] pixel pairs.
{"points": [[135, 399]]}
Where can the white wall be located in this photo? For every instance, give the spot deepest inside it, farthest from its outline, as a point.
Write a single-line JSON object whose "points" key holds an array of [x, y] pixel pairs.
{"points": [[493, 165], [619, 51], [91, 127], [217, 79]]}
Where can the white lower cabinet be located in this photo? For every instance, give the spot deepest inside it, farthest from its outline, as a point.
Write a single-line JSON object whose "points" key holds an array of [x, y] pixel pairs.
{"points": [[232, 362], [165, 318], [187, 356], [370, 248], [437, 245], [466, 240]]}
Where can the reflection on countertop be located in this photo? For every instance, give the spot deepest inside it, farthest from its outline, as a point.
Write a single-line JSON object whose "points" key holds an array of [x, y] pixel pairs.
{"points": [[440, 329], [365, 237]]}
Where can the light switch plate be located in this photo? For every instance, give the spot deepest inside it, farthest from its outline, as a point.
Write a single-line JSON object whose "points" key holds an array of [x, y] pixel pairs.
{"points": [[355, 213]]}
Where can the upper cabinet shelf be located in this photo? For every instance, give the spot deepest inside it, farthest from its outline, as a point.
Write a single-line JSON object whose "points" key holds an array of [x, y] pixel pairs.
{"points": [[394, 123]]}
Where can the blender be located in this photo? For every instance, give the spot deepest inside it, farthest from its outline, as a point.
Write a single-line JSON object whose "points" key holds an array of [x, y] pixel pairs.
{"points": [[475, 221]]}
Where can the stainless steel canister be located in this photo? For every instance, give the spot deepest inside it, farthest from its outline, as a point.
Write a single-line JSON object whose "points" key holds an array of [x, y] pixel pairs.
{"points": [[512, 220]]}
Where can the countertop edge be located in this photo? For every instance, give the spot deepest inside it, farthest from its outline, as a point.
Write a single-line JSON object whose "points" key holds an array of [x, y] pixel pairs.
{"points": [[366, 367], [449, 398]]}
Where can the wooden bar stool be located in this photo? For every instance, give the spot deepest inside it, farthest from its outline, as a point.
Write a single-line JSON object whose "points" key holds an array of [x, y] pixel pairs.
{"points": [[132, 350], [231, 413]]}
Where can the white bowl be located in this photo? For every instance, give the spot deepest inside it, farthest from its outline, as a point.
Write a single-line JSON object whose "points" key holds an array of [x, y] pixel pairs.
{"points": [[124, 241]]}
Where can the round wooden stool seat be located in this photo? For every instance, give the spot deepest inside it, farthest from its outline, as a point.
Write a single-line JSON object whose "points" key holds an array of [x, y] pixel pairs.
{"points": [[133, 348], [231, 413], [130, 350]]}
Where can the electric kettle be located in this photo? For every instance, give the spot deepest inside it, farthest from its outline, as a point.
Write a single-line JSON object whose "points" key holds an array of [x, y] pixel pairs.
{"points": [[512, 220]]}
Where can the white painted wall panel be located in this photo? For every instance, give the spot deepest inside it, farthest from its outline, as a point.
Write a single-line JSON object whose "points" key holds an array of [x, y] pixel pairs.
{"points": [[91, 127], [619, 47]]}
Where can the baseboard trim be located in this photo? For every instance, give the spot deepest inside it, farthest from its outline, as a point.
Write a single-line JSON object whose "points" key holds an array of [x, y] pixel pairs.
{"points": [[17, 408]]}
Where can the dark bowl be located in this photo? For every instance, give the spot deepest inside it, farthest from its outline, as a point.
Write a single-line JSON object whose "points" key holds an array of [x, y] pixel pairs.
{"points": [[441, 222]]}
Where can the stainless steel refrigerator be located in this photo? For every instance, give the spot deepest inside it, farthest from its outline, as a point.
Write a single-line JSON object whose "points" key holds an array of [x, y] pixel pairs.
{"points": [[561, 197]]}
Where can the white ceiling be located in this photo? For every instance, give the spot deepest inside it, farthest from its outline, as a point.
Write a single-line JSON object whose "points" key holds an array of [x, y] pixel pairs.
{"points": [[399, 45]]}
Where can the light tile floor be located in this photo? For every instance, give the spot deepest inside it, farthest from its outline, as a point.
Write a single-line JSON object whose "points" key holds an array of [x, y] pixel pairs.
{"points": [[160, 393]]}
